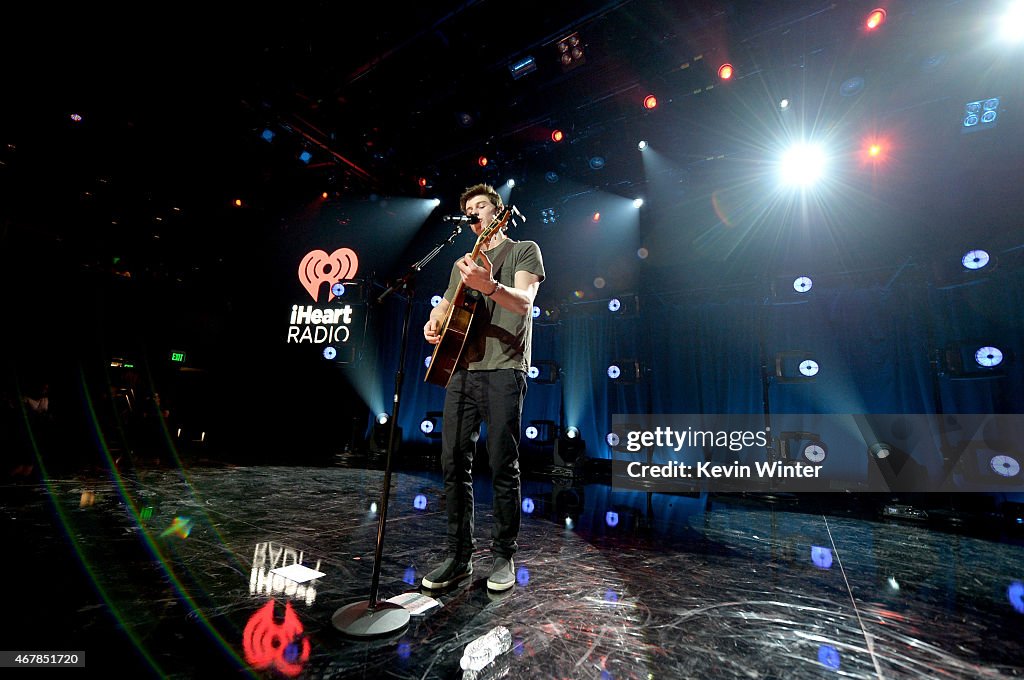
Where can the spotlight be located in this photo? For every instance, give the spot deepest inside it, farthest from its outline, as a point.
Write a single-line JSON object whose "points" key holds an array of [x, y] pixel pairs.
{"points": [[1012, 28], [618, 438], [611, 518], [536, 311], [543, 431], [851, 86], [980, 115], [570, 52], [725, 71], [802, 284], [419, 502], [528, 506], [795, 366], [431, 424], [481, 161], [626, 371], [569, 448], [596, 162], [975, 259], [435, 301], [875, 19], [625, 306], [874, 150], [650, 102], [802, 447], [551, 177], [557, 136], [338, 289], [802, 165], [422, 182], [642, 144], [520, 68], [426, 361], [330, 353], [988, 357], [511, 183], [381, 432], [637, 202], [596, 217], [267, 134], [880, 450], [784, 105], [548, 216], [548, 372], [305, 156], [969, 360]]}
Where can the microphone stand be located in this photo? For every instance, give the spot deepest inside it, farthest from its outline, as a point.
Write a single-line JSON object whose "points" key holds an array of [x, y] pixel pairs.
{"points": [[373, 617]]}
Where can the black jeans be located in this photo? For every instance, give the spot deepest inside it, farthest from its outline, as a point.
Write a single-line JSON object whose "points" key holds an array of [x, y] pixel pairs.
{"points": [[494, 397]]}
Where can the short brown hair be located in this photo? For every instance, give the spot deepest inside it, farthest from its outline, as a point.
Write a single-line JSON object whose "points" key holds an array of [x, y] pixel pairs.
{"points": [[481, 190]]}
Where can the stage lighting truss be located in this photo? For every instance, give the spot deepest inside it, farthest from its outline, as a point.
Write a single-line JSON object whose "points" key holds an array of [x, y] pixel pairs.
{"points": [[796, 366], [974, 360], [430, 426], [545, 372], [626, 371], [802, 447], [978, 115], [541, 431]]}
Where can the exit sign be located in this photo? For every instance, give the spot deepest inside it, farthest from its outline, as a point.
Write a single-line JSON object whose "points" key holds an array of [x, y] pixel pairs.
{"points": [[178, 356]]}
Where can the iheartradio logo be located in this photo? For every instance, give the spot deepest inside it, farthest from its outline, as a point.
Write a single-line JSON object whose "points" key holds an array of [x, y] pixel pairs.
{"points": [[318, 267]]}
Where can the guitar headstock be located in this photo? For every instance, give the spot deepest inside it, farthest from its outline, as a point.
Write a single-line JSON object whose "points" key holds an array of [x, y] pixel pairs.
{"points": [[509, 216]]}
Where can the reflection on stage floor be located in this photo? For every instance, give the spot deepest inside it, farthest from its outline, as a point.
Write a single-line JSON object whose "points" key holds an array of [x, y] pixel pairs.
{"points": [[169, 572]]}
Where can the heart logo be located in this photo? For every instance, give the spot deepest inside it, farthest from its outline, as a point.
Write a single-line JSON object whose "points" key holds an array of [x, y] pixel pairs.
{"points": [[317, 267]]}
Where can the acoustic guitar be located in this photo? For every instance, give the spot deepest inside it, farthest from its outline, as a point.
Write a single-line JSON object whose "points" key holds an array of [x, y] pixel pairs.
{"points": [[455, 328]]}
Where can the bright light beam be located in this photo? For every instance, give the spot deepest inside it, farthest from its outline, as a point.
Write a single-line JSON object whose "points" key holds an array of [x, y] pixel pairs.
{"points": [[802, 165]]}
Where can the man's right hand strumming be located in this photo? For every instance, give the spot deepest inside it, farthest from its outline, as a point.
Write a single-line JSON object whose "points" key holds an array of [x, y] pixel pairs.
{"points": [[430, 331]]}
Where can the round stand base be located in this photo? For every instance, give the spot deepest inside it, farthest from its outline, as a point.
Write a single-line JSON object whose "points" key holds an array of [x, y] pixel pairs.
{"points": [[357, 620]]}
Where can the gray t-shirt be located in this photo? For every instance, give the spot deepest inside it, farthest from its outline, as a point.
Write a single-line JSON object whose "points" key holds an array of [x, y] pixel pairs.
{"points": [[497, 337]]}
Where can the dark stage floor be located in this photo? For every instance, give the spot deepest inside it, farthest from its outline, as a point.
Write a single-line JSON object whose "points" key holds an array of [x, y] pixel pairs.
{"points": [[164, 572]]}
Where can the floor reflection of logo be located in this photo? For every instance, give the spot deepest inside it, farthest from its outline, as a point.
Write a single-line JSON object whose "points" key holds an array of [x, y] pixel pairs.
{"points": [[317, 267], [282, 645]]}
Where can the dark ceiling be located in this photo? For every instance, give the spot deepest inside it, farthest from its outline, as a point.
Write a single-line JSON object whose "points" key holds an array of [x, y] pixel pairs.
{"points": [[381, 94]]}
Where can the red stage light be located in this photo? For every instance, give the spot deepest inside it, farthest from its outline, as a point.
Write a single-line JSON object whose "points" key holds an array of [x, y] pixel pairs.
{"points": [[557, 136], [725, 71], [875, 150], [650, 101], [596, 217], [422, 181], [482, 161], [875, 19]]}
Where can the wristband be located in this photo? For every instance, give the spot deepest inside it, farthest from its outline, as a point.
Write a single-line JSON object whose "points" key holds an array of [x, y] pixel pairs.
{"points": [[496, 287]]}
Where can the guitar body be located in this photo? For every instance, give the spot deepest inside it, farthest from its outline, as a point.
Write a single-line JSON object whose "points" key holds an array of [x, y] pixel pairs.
{"points": [[455, 328], [454, 333]]}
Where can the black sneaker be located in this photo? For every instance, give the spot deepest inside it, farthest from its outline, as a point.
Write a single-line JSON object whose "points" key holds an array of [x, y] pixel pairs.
{"points": [[503, 576], [449, 573]]}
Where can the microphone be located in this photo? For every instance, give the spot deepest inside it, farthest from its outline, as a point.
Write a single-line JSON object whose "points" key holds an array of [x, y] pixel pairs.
{"points": [[461, 219]]}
